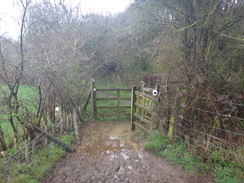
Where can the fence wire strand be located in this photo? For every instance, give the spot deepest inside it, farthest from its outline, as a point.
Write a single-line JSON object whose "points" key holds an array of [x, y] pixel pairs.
{"points": [[203, 124], [214, 100], [214, 137], [224, 115]]}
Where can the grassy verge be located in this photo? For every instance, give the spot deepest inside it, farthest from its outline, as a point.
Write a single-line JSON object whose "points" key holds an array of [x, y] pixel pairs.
{"points": [[28, 97], [177, 152], [40, 165]]}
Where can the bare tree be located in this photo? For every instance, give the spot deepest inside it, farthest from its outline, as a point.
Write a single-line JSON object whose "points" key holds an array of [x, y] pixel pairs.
{"points": [[12, 74]]}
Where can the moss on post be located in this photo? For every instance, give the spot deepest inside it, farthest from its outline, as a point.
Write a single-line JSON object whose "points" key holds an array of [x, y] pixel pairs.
{"points": [[179, 110]]}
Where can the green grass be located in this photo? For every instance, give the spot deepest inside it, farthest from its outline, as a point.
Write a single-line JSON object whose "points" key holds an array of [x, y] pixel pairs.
{"points": [[88, 113], [40, 165], [28, 100], [178, 153]]}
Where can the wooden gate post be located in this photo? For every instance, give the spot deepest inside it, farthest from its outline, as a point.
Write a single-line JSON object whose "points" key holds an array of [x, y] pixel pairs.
{"points": [[133, 107], [93, 97]]}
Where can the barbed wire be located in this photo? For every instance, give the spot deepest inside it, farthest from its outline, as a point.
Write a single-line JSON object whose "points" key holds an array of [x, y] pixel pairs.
{"points": [[211, 144], [214, 137], [227, 151], [224, 115], [203, 124], [20, 154], [205, 98]]}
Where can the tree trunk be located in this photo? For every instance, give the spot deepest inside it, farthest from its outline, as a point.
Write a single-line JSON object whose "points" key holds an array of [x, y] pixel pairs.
{"points": [[45, 125], [61, 123], [52, 111], [3, 144], [16, 145]]}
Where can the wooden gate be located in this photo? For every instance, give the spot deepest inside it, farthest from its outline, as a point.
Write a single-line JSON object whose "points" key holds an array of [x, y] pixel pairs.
{"points": [[144, 105], [113, 102]]}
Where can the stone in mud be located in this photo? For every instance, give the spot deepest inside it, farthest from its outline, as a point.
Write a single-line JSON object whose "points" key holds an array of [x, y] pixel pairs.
{"points": [[115, 176], [121, 171]]}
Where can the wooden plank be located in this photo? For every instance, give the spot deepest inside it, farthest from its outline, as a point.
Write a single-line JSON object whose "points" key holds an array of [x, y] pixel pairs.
{"points": [[107, 98], [147, 96], [108, 89], [114, 89], [107, 107], [113, 98], [67, 147], [147, 89], [114, 114], [125, 106], [138, 125], [125, 89], [125, 98], [143, 119], [153, 113], [113, 107]]}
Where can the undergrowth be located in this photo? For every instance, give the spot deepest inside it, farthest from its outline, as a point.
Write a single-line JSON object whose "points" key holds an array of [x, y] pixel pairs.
{"points": [[177, 152], [40, 164]]}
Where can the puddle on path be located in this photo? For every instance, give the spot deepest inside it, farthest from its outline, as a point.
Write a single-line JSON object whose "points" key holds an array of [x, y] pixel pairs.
{"points": [[109, 154], [107, 139]]}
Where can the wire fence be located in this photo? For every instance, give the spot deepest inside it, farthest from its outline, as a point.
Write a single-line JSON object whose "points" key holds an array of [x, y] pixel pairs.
{"points": [[212, 126], [29, 152]]}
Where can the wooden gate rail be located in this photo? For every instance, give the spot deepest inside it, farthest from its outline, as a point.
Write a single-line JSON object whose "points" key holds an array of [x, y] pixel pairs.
{"points": [[110, 97], [144, 108]]}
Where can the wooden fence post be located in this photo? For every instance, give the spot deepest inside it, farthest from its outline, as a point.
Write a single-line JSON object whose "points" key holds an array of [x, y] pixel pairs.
{"points": [[33, 145], [133, 107], [26, 151], [174, 119], [172, 124], [94, 100], [75, 123]]}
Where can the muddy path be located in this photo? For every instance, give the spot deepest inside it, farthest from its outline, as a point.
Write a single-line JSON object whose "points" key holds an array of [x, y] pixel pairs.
{"points": [[109, 154]]}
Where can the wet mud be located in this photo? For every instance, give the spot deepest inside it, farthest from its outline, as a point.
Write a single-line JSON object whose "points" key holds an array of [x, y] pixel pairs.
{"points": [[108, 154]]}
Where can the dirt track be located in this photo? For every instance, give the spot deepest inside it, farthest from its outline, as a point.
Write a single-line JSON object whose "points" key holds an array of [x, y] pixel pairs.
{"points": [[108, 154]]}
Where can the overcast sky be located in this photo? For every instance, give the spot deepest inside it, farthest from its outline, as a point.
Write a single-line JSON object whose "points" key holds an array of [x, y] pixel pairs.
{"points": [[9, 12]]}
